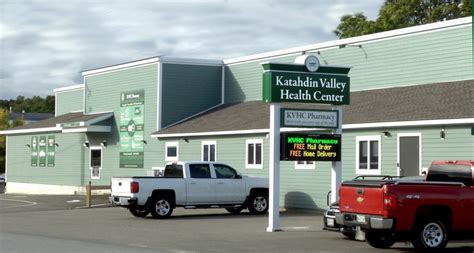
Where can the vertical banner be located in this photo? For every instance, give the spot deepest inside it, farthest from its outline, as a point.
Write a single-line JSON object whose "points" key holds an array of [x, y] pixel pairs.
{"points": [[34, 151], [42, 151], [132, 120], [51, 151]]}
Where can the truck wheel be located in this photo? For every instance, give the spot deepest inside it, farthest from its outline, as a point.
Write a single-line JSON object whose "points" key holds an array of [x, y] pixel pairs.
{"points": [[161, 207], [258, 203], [430, 235], [138, 211], [234, 210], [379, 239]]}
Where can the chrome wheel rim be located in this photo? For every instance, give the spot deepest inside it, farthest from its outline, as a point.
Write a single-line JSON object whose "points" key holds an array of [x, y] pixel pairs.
{"points": [[162, 207], [260, 203], [433, 235]]}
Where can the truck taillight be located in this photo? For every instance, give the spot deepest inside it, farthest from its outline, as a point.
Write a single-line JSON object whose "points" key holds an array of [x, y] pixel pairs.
{"points": [[389, 203], [134, 187]]}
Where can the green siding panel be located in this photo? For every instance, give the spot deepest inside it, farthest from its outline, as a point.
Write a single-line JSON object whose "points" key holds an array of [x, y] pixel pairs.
{"points": [[410, 60], [69, 161], [188, 90], [69, 101]]}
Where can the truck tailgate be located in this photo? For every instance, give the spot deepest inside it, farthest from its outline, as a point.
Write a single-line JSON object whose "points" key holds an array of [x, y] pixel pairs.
{"points": [[121, 186], [362, 197]]}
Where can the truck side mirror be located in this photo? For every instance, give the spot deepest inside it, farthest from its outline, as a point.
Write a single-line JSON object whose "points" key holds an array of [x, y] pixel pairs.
{"points": [[238, 176]]}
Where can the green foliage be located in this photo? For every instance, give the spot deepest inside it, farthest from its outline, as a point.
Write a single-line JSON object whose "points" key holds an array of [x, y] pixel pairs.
{"points": [[396, 14], [34, 104]]}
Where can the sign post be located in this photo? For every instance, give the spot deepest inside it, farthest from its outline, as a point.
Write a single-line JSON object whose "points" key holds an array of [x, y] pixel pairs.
{"points": [[303, 82], [274, 196]]}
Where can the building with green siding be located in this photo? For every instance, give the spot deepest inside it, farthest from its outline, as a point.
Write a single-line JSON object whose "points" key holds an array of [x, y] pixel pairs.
{"points": [[412, 102]]}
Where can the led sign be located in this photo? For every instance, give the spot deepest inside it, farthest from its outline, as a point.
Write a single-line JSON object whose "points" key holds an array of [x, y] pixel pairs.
{"points": [[310, 147]]}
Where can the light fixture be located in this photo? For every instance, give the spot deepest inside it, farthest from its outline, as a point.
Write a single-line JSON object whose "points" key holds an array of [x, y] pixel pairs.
{"points": [[28, 145], [442, 134], [387, 134], [103, 144], [186, 140], [144, 142], [86, 144], [56, 144], [350, 45]]}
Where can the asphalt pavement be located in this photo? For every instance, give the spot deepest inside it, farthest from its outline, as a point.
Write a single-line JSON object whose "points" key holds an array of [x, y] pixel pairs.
{"points": [[32, 223]]}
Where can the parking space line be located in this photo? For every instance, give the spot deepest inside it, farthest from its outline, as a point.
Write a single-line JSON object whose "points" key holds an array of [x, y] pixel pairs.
{"points": [[27, 203]]}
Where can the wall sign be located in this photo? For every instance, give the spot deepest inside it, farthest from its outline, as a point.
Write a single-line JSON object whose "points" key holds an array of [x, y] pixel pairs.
{"points": [[132, 125], [310, 147], [42, 151], [51, 151], [34, 151], [293, 83], [309, 118]]}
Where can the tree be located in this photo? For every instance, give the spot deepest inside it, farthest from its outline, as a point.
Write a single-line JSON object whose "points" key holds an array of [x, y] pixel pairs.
{"points": [[396, 14]]}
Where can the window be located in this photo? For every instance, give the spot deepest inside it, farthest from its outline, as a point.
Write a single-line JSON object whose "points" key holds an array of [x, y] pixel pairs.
{"points": [[173, 171], [200, 170], [223, 171], [171, 150], [368, 155], [305, 165], [254, 154], [208, 151]]}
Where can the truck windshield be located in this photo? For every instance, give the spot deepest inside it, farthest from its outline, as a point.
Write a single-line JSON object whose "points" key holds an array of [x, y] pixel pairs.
{"points": [[173, 171], [450, 173]]}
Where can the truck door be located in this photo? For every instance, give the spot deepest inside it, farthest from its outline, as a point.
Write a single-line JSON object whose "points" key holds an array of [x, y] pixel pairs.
{"points": [[200, 187], [230, 186]]}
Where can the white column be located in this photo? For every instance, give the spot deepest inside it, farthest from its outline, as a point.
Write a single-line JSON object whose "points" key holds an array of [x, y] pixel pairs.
{"points": [[336, 172], [274, 175]]}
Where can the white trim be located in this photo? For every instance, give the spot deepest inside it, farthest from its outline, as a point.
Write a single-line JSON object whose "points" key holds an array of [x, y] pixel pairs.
{"points": [[355, 40], [84, 95], [69, 88], [34, 130], [305, 166], [232, 132], [101, 159], [159, 103], [171, 158], [95, 129], [120, 66], [223, 85], [368, 171], [254, 142], [419, 147], [35, 189], [209, 143], [190, 61], [411, 123], [55, 104]]}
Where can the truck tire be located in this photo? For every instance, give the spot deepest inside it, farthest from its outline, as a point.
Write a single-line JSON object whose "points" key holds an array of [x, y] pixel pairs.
{"points": [[430, 234], [138, 211], [379, 239], [234, 210], [258, 202], [161, 207]]}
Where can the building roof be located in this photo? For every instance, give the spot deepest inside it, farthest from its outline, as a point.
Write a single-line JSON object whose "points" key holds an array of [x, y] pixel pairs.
{"points": [[440, 101], [59, 123], [29, 116]]}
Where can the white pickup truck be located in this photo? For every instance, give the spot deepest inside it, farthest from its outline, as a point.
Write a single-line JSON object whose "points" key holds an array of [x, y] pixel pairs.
{"points": [[191, 185]]}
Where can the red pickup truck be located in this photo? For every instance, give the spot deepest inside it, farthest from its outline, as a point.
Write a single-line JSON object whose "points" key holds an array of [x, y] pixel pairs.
{"points": [[427, 213]]}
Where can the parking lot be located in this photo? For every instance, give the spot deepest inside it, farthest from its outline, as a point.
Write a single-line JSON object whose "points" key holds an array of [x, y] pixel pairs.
{"points": [[61, 224]]}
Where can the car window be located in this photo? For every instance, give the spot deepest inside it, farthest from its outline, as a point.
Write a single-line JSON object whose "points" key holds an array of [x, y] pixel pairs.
{"points": [[173, 171], [200, 170], [224, 171]]}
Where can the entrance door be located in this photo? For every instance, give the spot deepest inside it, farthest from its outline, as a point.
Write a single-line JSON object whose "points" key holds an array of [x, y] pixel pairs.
{"points": [[409, 161]]}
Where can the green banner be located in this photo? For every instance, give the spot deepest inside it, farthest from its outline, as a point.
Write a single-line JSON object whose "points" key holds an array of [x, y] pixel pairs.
{"points": [[34, 151], [132, 125], [42, 151], [51, 151], [299, 87]]}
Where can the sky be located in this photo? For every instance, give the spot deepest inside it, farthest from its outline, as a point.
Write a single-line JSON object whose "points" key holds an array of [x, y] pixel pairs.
{"points": [[46, 44]]}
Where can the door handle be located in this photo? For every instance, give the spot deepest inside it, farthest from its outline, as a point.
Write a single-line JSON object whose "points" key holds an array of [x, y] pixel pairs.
{"points": [[192, 182], [220, 183]]}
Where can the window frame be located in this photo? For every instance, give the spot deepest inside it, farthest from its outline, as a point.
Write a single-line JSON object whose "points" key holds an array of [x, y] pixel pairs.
{"points": [[209, 143], [254, 165], [368, 139], [172, 158], [92, 148], [305, 166]]}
